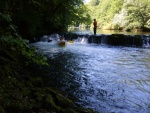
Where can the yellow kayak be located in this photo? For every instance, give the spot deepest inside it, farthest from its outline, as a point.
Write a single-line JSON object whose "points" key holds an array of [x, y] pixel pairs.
{"points": [[71, 41]]}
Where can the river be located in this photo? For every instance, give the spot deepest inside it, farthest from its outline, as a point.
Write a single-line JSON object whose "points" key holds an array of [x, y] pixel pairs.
{"points": [[100, 31], [107, 79]]}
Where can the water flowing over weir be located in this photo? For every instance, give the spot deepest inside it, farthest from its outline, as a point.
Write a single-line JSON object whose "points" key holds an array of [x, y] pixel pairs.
{"points": [[108, 79], [114, 39], [120, 40]]}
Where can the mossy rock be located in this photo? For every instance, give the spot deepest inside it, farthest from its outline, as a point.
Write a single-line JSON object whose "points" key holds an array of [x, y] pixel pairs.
{"points": [[59, 99], [69, 110], [63, 101], [2, 110], [84, 110], [49, 102]]}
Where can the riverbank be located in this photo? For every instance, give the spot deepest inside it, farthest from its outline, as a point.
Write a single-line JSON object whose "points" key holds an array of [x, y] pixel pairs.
{"points": [[23, 90]]}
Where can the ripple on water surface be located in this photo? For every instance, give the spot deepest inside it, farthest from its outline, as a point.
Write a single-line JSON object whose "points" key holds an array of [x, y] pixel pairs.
{"points": [[106, 79]]}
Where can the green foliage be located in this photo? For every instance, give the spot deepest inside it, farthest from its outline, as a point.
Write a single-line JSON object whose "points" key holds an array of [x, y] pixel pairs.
{"points": [[82, 16], [7, 27], [94, 2], [133, 14], [37, 17], [15, 52], [138, 13], [105, 11]]}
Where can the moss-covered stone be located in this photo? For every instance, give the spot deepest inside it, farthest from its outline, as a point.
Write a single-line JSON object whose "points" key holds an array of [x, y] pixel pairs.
{"points": [[63, 101], [2, 110], [49, 102]]}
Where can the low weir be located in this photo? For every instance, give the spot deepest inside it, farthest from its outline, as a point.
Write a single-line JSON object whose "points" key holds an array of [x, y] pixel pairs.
{"points": [[115, 39], [107, 39]]}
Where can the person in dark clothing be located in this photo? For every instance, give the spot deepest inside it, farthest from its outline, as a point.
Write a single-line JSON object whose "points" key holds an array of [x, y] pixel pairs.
{"points": [[95, 26]]}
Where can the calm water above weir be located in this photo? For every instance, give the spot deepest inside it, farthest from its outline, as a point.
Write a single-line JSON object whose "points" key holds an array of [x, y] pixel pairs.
{"points": [[105, 78], [100, 31]]}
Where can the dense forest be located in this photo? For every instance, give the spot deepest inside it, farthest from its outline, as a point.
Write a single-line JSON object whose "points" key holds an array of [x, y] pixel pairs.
{"points": [[31, 18], [121, 14]]}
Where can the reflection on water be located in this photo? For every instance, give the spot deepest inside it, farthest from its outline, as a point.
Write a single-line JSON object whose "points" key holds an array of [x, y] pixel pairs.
{"points": [[100, 31], [106, 79]]}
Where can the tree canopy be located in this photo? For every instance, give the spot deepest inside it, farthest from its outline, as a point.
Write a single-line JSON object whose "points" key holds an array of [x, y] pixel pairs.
{"points": [[31, 18], [121, 14]]}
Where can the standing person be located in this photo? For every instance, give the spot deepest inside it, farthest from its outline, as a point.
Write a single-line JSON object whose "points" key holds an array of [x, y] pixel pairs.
{"points": [[95, 26]]}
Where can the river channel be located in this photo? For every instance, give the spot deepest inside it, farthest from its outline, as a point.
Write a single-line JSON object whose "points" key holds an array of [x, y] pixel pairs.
{"points": [[100, 31], [107, 79]]}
